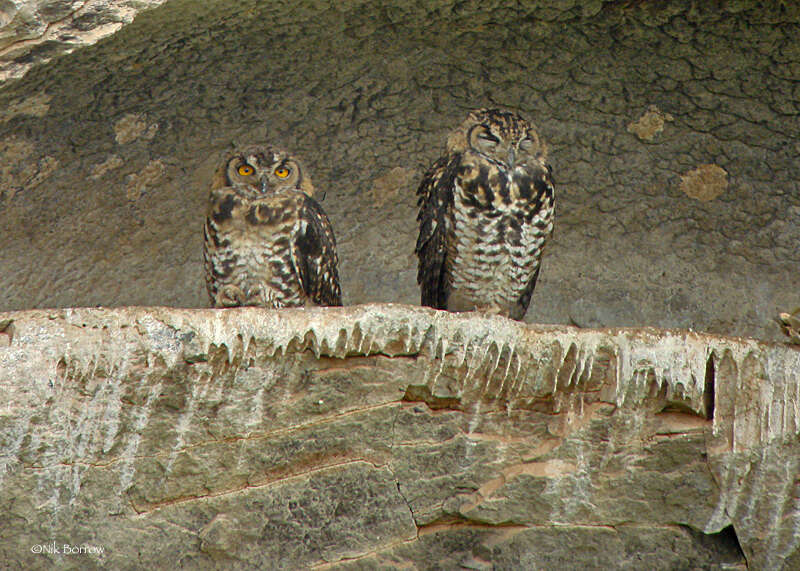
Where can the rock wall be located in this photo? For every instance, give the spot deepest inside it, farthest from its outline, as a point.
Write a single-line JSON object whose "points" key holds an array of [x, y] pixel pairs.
{"points": [[672, 131], [37, 31], [388, 436]]}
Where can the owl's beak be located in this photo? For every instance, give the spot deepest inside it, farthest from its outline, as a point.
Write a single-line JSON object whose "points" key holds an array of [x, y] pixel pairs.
{"points": [[511, 157], [264, 184]]}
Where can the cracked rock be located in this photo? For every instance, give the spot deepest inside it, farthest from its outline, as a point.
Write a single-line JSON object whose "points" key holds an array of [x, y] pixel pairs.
{"points": [[297, 441]]}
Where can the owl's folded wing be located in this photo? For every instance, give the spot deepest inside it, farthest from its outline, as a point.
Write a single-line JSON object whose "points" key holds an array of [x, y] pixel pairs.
{"points": [[314, 253], [435, 201]]}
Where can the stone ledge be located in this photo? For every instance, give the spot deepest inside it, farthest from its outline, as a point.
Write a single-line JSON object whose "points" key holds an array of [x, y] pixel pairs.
{"points": [[376, 435]]}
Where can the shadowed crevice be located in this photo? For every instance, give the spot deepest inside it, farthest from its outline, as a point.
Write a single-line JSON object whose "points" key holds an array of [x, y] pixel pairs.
{"points": [[708, 388], [449, 522], [724, 544], [422, 393], [6, 331]]}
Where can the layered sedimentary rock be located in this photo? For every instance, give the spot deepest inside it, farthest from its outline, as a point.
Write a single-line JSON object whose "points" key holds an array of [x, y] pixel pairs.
{"points": [[387, 436]]}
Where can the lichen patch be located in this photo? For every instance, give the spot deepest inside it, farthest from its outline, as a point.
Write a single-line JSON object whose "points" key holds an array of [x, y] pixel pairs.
{"points": [[650, 124], [133, 126], [148, 176], [111, 163], [705, 183]]}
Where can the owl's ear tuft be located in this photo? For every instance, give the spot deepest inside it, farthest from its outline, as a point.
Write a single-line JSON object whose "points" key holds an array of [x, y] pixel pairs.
{"points": [[220, 177], [306, 186]]}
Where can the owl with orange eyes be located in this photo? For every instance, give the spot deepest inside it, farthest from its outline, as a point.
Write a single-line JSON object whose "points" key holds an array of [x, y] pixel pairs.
{"points": [[268, 243]]}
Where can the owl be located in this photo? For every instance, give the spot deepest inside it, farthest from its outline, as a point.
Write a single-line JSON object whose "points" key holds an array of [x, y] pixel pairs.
{"points": [[267, 241], [485, 213], [790, 325]]}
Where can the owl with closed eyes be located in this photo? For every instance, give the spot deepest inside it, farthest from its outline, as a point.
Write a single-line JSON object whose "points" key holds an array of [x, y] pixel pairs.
{"points": [[485, 214], [268, 243]]}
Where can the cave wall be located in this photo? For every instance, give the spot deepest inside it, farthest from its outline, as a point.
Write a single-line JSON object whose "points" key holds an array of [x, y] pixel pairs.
{"points": [[672, 132]]}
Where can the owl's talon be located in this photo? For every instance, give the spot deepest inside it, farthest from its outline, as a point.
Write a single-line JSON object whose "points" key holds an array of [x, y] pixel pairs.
{"points": [[230, 296]]}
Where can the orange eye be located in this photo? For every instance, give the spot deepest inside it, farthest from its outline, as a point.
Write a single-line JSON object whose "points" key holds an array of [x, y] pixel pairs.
{"points": [[245, 170], [282, 172]]}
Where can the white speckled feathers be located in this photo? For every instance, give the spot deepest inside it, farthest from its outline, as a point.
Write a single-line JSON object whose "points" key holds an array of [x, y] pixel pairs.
{"points": [[267, 241], [486, 212]]}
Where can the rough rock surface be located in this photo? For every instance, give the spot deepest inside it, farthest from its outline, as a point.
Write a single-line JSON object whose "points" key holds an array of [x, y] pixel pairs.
{"points": [[392, 437], [35, 31], [106, 153]]}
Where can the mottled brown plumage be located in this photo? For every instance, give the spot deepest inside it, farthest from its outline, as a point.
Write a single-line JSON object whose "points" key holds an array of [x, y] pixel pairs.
{"points": [[485, 212], [790, 325], [267, 241]]}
